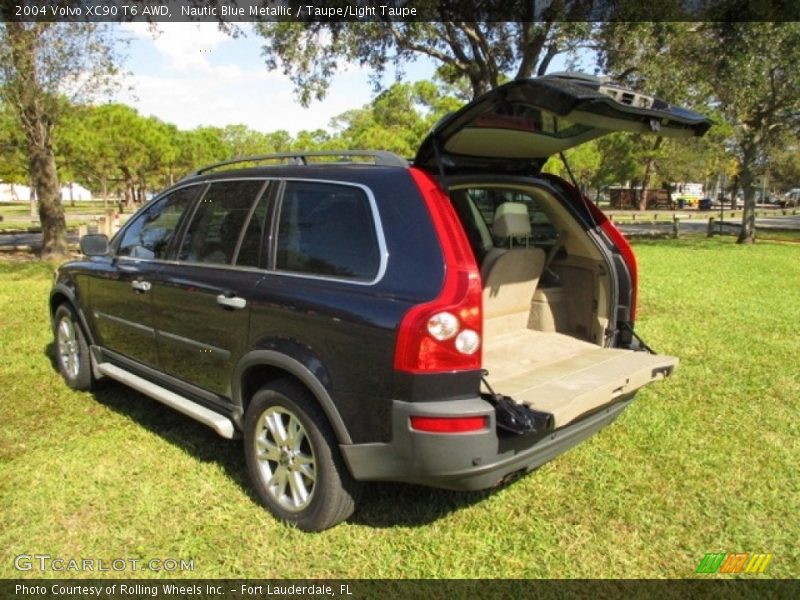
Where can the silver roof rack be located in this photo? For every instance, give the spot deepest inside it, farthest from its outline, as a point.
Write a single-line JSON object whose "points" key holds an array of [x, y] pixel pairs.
{"points": [[379, 158]]}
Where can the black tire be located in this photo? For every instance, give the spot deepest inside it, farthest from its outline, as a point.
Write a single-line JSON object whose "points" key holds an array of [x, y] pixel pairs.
{"points": [[71, 349], [293, 458]]}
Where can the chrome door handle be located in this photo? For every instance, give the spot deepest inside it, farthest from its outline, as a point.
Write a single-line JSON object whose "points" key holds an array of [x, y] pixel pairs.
{"points": [[141, 286], [231, 302]]}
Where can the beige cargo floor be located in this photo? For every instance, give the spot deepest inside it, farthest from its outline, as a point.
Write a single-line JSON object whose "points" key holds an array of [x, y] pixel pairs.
{"points": [[565, 376]]}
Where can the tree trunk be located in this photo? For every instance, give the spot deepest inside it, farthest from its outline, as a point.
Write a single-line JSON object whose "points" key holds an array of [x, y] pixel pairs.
{"points": [[104, 184], [51, 213], [648, 172], [747, 234], [130, 197], [35, 123], [44, 177]]}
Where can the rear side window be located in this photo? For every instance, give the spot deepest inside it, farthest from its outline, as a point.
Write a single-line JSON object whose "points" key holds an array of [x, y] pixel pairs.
{"points": [[221, 217], [150, 233], [327, 230]]}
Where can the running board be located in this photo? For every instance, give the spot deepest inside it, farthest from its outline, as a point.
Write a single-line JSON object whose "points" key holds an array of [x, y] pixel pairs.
{"points": [[222, 425]]}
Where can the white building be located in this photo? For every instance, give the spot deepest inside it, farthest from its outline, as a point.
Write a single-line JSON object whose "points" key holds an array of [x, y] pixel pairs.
{"points": [[75, 191], [16, 192]]}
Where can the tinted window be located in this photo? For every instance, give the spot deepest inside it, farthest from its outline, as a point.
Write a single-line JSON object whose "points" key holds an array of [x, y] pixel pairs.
{"points": [[327, 229], [250, 249], [149, 235], [524, 117], [217, 225]]}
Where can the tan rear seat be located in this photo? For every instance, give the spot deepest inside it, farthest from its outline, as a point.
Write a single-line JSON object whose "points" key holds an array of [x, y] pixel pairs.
{"points": [[510, 275]]}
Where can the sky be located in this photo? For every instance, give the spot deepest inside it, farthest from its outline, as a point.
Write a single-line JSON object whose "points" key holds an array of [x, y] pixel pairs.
{"points": [[192, 74]]}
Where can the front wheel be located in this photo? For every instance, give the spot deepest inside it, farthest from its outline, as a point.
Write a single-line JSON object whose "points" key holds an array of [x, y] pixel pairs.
{"points": [[72, 351], [293, 458]]}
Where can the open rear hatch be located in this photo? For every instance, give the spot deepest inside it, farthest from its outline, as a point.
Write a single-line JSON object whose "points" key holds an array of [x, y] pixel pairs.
{"points": [[513, 130], [565, 377], [517, 126]]}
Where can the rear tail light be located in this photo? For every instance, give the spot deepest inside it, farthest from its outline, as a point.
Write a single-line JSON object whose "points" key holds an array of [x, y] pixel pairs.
{"points": [[449, 424], [443, 326], [445, 333], [468, 342]]}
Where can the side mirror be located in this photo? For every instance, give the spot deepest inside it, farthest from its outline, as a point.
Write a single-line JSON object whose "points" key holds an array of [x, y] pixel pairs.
{"points": [[94, 244]]}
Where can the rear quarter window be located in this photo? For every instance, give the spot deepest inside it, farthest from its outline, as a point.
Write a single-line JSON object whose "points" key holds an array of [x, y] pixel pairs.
{"points": [[327, 230]]}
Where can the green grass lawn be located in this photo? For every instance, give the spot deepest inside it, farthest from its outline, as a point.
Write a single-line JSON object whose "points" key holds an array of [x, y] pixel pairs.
{"points": [[705, 462], [778, 235], [22, 209], [16, 215]]}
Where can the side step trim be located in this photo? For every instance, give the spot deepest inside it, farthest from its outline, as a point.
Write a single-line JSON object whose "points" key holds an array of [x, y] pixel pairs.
{"points": [[219, 423]]}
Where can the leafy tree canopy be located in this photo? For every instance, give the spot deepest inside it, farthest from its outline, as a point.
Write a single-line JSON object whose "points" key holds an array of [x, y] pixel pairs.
{"points": [[482, 54]]}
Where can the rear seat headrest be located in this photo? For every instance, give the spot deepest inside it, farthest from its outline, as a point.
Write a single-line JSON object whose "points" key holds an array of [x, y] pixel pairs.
{"points": [[511, 220]]}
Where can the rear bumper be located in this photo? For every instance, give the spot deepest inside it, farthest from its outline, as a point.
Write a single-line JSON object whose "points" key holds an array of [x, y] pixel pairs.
{"points": [[465, 461]]}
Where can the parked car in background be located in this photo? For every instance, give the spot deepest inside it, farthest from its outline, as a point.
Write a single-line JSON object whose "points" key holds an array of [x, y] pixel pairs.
{"points": [[792, 197], [705, 204]]}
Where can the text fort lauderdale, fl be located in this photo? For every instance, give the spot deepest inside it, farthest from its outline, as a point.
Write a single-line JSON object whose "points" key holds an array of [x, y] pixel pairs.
{"points": [[286, 11]]}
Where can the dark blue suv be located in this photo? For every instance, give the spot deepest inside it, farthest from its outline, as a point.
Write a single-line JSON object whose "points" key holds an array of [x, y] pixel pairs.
{"points": [[452, 322]]}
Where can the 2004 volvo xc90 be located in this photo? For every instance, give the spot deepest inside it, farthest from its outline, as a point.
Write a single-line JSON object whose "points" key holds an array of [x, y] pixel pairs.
{"points": [[451, 322]]}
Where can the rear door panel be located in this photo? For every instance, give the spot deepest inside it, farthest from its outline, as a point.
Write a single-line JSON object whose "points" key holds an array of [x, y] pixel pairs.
{"points": [[198, 338]]}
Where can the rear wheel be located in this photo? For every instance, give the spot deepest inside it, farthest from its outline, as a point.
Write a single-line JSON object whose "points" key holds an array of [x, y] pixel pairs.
{"points": [[293, 458], [72, 351]]}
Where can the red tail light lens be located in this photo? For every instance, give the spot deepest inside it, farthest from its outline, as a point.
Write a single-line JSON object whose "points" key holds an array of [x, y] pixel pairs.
{"points": [[449, 424], [445, 333]]}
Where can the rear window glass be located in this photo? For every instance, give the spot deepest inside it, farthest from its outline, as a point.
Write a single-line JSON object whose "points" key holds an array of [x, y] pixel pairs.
{"points": [[486, 201], [524, 117], [327, 230]]}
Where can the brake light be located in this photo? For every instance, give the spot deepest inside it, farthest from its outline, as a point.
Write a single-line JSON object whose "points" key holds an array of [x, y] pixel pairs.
{"points": [[445, 333], [449, 424]]}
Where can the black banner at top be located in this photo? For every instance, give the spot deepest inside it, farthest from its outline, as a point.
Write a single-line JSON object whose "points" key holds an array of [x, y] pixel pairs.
{"points": [[322, 11]]}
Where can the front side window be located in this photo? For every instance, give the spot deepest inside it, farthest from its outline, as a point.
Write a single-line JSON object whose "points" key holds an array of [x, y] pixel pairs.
{"points": [[217, 225], [328, 230], [151, 232]]}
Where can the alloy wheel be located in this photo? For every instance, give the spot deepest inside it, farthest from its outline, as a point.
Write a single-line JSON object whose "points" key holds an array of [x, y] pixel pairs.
{"points": [[286, 458]]}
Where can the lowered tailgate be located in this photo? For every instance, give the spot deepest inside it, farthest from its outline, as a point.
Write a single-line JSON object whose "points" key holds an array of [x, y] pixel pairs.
{"points": [[576, 383]]}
